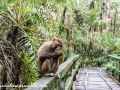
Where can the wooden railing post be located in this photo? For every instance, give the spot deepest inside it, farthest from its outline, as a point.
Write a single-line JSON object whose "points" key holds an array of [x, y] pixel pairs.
{"points": [[69, 72], [61, 85], [113, 73], [119, 70]]}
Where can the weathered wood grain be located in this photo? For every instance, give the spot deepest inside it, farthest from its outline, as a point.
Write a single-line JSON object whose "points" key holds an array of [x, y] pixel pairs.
{"points": [[94, 80]]}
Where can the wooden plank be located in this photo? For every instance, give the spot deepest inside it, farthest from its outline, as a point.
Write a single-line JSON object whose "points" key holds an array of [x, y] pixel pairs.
{"points": [[98, 83], [79, 83], [94, 81]]}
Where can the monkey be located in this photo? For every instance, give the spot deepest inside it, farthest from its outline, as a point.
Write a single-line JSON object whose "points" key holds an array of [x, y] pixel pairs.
{"points": [[48, 57]]}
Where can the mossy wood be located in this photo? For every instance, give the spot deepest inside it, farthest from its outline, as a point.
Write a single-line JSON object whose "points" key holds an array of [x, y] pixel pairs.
{"points": [[67, 71]]}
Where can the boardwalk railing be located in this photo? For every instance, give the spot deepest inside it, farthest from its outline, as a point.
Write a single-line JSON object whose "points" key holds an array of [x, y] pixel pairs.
{"points": [[67, 71], [112, 61], [114, 68]]}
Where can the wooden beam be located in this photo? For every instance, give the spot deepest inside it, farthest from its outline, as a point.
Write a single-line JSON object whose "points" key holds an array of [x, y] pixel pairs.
{"points": [[50, 83]]}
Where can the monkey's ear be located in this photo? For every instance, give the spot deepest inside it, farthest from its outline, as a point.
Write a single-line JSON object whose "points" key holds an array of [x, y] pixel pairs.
{"points": [[54, 39]]}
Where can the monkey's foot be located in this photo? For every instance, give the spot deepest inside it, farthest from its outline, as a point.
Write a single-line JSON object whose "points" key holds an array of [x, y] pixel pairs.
{"points": [[57, 76], [49, 74]]}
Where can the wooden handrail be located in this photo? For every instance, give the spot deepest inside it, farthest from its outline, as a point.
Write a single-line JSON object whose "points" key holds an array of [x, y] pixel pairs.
{"points": [[67, 71], [116, 59], [106, 58]]}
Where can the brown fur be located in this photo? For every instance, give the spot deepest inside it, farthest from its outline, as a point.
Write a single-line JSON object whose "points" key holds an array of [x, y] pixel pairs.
{"points": [[48, 57]]}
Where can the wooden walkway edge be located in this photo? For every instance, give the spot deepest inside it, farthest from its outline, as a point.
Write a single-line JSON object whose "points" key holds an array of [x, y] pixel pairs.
{"points": [[94, 78]]}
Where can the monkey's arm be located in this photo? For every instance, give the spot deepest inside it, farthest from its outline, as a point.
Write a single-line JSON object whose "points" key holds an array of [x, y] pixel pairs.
{"points": [[50, 55]]}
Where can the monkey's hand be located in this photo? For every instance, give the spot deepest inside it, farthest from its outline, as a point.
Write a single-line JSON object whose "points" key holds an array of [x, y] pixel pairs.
{"points": [[61, 53]]}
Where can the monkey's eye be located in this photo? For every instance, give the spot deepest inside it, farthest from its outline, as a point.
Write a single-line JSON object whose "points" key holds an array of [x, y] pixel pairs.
{"points": [[59, 45]]}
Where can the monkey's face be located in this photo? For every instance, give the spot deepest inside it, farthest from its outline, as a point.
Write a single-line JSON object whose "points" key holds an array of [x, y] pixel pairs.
{"points": [[58, 47], [56, 44]]}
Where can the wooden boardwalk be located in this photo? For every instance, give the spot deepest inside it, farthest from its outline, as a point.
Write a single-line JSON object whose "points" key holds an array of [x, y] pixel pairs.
{"points": [[96, 78]]}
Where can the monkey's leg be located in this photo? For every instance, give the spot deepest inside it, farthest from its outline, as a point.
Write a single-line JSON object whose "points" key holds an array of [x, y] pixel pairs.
{"points": [[55, 68], [46, 68], [49, 74]]}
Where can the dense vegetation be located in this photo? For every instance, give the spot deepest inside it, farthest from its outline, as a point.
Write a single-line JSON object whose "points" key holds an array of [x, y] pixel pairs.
{"points": [[85, 26]]}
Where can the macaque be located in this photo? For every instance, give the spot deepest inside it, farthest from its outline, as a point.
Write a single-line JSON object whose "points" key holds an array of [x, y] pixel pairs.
{"points": [[48, 57]]}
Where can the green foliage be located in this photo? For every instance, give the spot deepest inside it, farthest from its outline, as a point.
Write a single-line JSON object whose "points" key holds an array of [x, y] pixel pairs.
{"points": [[94, 15], [38, 21]]}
